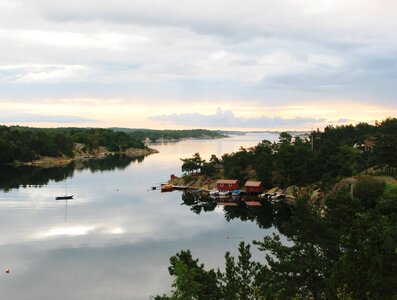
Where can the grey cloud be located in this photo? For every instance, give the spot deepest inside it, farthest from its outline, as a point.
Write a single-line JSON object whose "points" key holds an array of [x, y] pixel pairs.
{"points": [[179, 41], [226, 118], [343, 120]]}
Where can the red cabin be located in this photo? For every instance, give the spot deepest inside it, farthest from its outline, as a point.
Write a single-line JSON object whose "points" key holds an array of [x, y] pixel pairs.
{"points": [[253, 187], [173, 177], [227, 184]]}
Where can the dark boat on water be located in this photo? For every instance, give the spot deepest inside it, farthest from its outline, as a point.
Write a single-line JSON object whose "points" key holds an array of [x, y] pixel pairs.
{"points": [[64, 197]]}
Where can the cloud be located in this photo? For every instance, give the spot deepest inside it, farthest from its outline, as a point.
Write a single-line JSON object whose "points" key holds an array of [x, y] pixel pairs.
{"points": [[17, 118], [227, 119], [343, 120], [289, 52]]}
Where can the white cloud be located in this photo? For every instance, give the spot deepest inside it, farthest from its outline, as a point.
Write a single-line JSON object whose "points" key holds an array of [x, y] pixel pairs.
{"points": [[50, 73], [257, 51]]}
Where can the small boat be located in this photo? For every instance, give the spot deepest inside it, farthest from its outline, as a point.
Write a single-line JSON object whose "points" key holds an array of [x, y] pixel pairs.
{"points": [[214, 193], [238, 193], [167, 187], [224, 193], [180, 187], [64, 197]]}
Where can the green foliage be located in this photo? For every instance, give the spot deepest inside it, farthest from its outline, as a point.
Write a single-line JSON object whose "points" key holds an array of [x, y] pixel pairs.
{"points": [[235, 165], [386, 145], [368, 190], [192, 281], [239, 279], [285, 138], [155, 135], [192, 164], [26, 144], [263, 162], [342, 250], [327, 157]]}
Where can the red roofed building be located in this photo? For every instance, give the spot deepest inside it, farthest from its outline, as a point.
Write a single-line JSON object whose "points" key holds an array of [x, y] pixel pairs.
{"points": [[369, 144], [253, 187], [227, 184]]}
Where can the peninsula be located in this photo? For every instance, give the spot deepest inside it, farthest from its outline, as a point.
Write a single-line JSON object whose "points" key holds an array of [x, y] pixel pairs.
{"points": [[58, 146]]}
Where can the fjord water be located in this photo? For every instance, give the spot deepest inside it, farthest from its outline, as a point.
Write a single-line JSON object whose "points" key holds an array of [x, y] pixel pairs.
{"points": [[114, 239]]}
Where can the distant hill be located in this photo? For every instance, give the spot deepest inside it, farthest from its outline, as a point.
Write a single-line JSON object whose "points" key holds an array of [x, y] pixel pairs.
{"points": [[155, 135]]}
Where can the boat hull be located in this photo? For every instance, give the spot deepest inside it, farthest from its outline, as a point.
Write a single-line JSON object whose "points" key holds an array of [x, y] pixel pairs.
{"points": [[63, 197]]}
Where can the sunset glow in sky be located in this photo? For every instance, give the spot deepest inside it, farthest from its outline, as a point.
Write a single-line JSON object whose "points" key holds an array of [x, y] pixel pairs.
{"points": [[227, 64]]}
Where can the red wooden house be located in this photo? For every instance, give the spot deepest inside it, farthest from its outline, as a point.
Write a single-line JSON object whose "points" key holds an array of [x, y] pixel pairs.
{"points": [[253, 187], [227, 184]]}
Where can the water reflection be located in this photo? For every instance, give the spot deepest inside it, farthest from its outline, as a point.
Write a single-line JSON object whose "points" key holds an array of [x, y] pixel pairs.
{"points": [[265, 215], [23, 176], [119, 234]]}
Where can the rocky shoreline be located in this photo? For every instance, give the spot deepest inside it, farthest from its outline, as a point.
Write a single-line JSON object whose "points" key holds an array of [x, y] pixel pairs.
{"points": [[80, 154]]}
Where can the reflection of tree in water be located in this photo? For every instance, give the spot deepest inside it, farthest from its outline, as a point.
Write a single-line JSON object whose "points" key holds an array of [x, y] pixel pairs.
{"points": [[108, 163], [15, 177], [264, 216], [198, 202]]}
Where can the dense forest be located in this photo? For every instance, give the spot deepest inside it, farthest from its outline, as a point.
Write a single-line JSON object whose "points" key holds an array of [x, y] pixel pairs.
{"points": [[323, 157], [26, 143], [155, 135], [341, 247]]}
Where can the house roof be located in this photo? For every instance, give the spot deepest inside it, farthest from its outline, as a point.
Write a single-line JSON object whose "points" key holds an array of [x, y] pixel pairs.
{"points": [[227, 181], [369, 143], [253, 183]]}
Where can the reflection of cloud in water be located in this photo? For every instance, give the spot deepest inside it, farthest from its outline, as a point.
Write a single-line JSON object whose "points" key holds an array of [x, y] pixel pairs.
{"points": [[65, 231], [118, 237]]}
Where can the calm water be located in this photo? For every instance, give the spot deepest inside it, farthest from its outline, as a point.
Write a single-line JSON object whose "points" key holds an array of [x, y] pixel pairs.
{"points": [[114, 240]]}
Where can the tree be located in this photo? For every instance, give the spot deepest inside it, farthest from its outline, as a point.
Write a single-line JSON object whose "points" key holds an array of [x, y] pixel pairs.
{"points": [[285, 138], [368, 190], [192, 281], [263, 162], [302, 266], [386, 145], [192, 164], [240, 280]]}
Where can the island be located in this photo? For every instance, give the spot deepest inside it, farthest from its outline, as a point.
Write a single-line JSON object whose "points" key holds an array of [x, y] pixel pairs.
{"points": [[58, 146]]}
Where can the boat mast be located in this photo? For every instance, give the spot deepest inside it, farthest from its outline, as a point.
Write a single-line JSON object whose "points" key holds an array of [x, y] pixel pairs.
{"points": [[66, 209]]}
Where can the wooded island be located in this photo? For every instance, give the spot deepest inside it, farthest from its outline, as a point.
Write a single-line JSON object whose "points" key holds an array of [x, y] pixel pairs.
{"points": [[60, 145]]}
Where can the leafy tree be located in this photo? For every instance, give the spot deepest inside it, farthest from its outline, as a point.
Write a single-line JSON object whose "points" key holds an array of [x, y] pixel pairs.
{"points": [[192, 164], [300, 268], [386, 145], [285, 138], [192, 281], [263, 162], [240, 279], [368, 190], [208, 169]]}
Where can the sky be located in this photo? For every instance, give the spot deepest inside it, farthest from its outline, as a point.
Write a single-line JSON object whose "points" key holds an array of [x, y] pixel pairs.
{"points": [[219, 64]]}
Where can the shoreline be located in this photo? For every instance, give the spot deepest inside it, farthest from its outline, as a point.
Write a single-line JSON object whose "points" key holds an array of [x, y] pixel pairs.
{"points": [[47, 161], [174, 140]]}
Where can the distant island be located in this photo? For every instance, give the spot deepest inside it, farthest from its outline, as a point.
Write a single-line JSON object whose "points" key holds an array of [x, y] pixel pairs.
{"points": [[58, 146], [153, 135]]}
